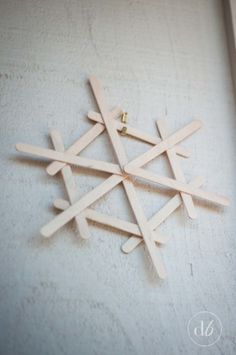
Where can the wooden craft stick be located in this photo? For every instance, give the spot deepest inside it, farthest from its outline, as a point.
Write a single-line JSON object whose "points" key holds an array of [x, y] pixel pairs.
{"points": [[112, 133], [167, 143], [121, 225], [128, 186], [113, 222], [70, 185], [146, 231], [54, 167], [61, 204], [68, 158], [75, 209], [176, 169], [137, 133], [177, 185], [159, 217]]}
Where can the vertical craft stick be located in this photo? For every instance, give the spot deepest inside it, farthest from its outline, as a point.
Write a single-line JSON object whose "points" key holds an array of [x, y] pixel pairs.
{"points": [[128, 186], [70, 185]]}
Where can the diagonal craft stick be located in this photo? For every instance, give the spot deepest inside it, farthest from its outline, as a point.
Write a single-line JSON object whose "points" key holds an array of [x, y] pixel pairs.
{"points": [[113, 222], [64, 217], [166, 144], [69, 158], [176, 169], [137, 133], [128, 186], [54, 167], [70, 185], [159, 217], [177, 185]]}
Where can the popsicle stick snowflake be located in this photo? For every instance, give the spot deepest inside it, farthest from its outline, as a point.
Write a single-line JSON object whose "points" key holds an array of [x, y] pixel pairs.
{"points": [[144, 230]]}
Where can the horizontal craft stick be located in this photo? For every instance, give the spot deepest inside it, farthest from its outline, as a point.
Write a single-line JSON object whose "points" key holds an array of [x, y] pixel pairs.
{"points": [[177, 185], [68, 158]]}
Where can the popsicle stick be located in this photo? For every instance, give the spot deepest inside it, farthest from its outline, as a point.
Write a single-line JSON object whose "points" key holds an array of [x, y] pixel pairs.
{"points": [[146, 231], [177, 185], [159, 217], [113, 222], [68, 158], [137, 133], [128, 186], [176, 169], [70, 185], [54, 167], [112, 133], [61, 204], [75, 209], [122, 225], [167, 143]]}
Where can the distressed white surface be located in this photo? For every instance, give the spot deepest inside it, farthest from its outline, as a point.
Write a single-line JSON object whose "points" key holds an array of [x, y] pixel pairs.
{"points": [[155, 58]]}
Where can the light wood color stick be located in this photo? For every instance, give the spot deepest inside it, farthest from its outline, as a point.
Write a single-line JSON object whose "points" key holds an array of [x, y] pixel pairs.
{"points": [[159, 217], [167, 144], [128, 186], [75, 209], [70, 185], [137, 133], [54, 167], [116, 223], [68, 158], [61, 204], [176, 169], [177, 185]]}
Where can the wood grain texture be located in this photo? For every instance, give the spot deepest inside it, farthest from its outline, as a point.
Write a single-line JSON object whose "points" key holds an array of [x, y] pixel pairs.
{"points": [[156, 58]]}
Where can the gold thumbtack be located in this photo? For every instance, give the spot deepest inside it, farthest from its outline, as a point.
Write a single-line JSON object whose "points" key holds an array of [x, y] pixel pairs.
{"points": [[124, 119], [123, 131]]}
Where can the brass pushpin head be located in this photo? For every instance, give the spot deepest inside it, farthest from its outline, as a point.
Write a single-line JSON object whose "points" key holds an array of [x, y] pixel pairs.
{"points": [[124, 117], [123, 132]]}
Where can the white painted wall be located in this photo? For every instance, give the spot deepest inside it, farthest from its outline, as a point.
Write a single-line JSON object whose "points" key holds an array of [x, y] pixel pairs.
{"points": [[64, 296]]}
